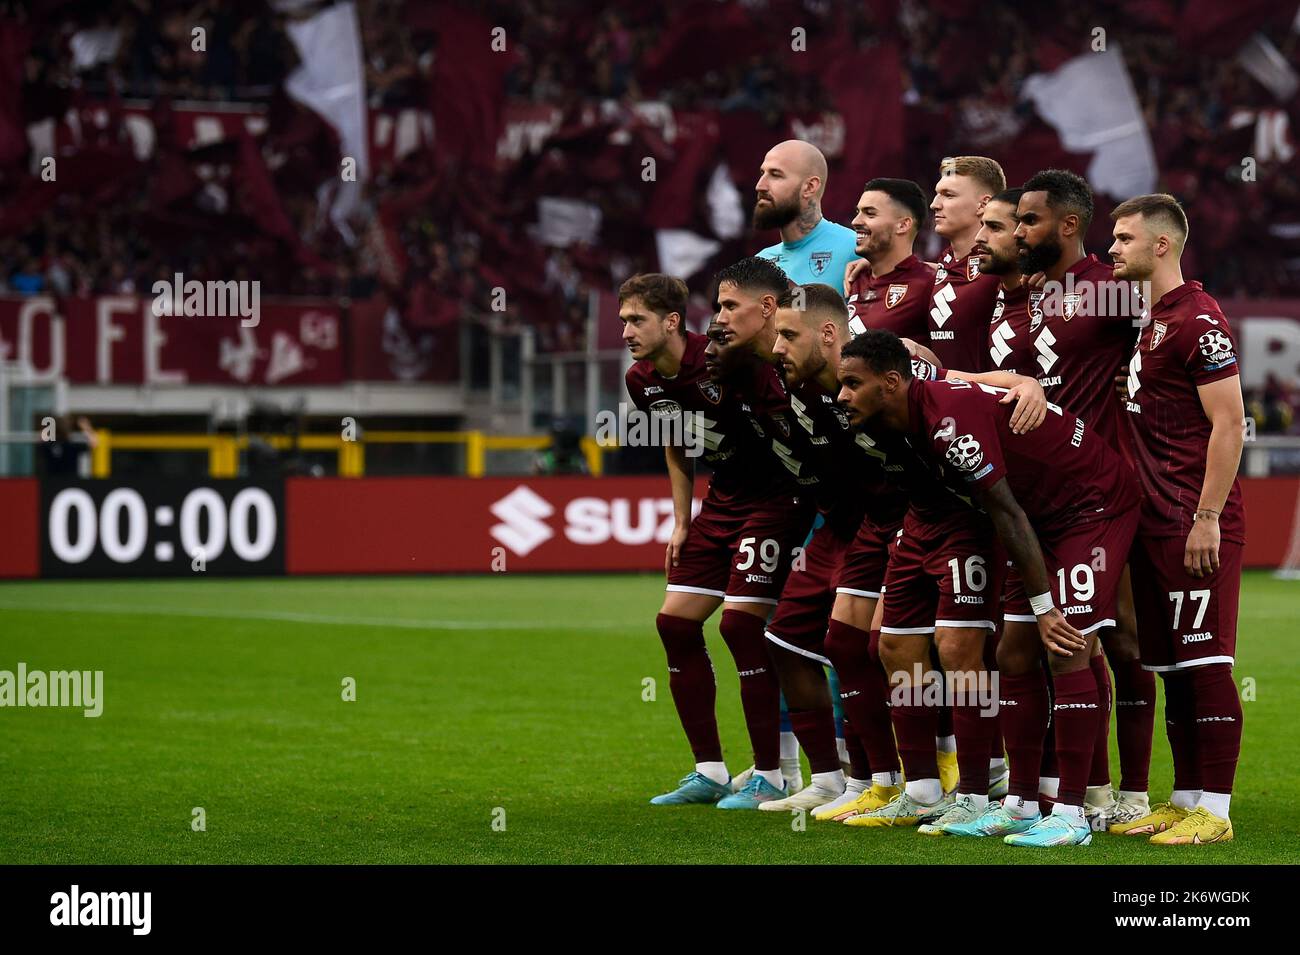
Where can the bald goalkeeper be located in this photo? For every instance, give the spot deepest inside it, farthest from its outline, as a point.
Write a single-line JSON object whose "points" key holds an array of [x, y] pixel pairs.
{"points": [[788, 197]]}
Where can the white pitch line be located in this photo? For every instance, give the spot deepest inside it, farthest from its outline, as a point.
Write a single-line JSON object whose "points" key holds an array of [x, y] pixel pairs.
{"points": [[288, 616]]}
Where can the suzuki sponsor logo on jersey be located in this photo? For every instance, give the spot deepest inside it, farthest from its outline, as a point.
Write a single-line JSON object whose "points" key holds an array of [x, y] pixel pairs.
{"points": [[894, 294], [818, 262], [527, 520]]}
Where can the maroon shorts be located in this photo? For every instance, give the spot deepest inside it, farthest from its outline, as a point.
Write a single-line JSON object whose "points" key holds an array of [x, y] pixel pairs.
{"points": [[801, 617], [862, 574], [1184, 621], [942, 576], [742, 553], [1085, 563]]}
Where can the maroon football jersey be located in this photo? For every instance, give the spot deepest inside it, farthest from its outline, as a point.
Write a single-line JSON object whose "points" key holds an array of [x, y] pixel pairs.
{"points": [[1011, 346], [853, 471], [1186, 344], [734, 449], [961, 308], [1081, 343], [897, 301], [1061, 473]]}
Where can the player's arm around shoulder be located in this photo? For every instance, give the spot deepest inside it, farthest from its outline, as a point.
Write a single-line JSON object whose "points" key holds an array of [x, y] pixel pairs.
{"points": [[1025, 393]]}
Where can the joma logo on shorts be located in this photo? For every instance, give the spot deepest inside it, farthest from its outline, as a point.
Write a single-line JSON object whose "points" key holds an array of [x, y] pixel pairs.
{"points": [[1075, 706], [967, 599], [1198, 637], [757, 579], [1078, 608]]}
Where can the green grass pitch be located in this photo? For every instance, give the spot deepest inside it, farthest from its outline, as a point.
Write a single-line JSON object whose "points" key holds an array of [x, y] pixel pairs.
{"points": [[472, 694]]}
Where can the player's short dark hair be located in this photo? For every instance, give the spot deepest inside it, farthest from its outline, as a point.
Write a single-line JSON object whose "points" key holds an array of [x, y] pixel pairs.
{"points": [[662, 294], [1067, 192], [906, 193], [881, 351], [1010, 196], [754, 274], [819, 300], [1160, 207]]}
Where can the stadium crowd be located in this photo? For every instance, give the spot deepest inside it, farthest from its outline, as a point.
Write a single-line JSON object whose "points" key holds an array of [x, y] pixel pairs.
{"points": [[457, 243]]}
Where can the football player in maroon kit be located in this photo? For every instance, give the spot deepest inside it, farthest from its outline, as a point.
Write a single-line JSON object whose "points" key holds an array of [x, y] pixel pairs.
{"points": [[1012, 324], [735, 553], [1057, 496], [1185, 412], [747, 293], [1086, 333], [844, 565], [893, 289], [963, 297]]}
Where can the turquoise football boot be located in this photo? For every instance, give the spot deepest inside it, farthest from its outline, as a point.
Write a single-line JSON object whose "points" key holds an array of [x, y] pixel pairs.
{"points": [[993, 821], [1051, 831], [695, 788], [756, 790]]}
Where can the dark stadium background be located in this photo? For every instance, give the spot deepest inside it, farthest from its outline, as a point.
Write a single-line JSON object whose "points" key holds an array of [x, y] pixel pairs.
{"points": [[453, 307]]}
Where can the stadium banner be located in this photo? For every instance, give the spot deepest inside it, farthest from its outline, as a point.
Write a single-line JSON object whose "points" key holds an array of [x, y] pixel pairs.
{"points": [[397, 525], [118, 340], [469, 525], [157, 528]]}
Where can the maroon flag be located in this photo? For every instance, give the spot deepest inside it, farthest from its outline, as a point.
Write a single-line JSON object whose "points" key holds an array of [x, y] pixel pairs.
{"points": [[14, 40], [467, 86]]}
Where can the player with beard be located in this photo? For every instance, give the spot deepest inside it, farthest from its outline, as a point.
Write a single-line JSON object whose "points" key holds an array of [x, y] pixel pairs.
{"points": [[892, 290], [1010, 342], [844, 563], [1057, 495], [736, 553], [1184, 407], [963, 300], [788, 196], [1085, 335]]}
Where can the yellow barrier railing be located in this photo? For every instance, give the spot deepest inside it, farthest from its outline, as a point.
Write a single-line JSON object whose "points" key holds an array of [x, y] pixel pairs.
{"points": [[223, 449]]}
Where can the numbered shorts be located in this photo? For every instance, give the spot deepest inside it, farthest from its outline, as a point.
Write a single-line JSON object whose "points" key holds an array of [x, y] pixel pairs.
{"points": [[742, 552], [942, 575], [1085, 564], [1184, 621], [862, 572], [801, 618]]}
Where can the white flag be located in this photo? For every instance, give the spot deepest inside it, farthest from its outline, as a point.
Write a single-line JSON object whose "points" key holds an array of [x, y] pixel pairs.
{"points": [[332, 82], [1091, 103], [682, 252]]}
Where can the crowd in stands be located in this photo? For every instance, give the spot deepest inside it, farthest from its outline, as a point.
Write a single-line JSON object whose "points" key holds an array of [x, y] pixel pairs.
{"points": [[960, 95]]}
